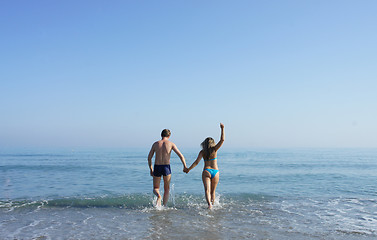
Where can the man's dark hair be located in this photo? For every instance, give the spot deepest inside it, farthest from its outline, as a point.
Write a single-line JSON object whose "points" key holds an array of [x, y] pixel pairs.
{"points": [[165, 133]]}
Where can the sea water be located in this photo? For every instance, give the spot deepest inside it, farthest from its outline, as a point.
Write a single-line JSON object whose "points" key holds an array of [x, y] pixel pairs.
{"points": [[262, 194]]}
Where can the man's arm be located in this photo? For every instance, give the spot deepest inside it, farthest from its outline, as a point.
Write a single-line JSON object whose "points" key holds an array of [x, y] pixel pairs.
{"points": [[222, 137], [175, 149], [200, 156], [150, 156]]}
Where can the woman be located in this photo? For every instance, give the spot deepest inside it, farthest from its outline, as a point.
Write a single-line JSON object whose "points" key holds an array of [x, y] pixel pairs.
{"points": [[210, 173]]}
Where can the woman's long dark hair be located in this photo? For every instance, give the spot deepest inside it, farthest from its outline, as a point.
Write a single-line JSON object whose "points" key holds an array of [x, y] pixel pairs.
{"points": [[208, 146]]}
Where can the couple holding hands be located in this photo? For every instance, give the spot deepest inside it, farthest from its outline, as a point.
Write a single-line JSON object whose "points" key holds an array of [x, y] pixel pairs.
{"points": [[162, 150]]}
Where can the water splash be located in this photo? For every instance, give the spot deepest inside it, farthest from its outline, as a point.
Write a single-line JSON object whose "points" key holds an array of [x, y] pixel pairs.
{"points": [[172, 194], [217, 204]]}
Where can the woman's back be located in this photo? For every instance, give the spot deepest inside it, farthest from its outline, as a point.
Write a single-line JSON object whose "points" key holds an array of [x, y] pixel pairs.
{"points": [[211, 162]]}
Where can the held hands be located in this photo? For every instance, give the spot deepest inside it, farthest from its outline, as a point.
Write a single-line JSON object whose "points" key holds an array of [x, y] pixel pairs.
{"points": [[221, 125], [186, 170]]}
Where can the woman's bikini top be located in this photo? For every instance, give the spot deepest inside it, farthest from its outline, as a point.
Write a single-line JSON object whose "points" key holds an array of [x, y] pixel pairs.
{"points": [[210, 159]]}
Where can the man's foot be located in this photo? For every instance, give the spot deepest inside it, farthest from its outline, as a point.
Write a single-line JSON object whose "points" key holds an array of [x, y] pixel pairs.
{"points": [[158, 202]]}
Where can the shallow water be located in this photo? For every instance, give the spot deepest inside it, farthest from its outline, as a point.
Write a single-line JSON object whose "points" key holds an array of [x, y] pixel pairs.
{"points": [[262, 194]]}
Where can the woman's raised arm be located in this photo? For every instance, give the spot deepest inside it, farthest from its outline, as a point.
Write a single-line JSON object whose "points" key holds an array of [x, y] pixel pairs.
{"points": [[222, 137]]}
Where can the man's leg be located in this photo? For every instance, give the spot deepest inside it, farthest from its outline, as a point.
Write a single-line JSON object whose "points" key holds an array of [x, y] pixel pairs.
{"points": [[156, 189], [166, 188]]}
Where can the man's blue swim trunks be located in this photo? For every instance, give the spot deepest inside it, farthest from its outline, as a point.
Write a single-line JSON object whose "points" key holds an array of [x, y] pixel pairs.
{"points": [[163, 170]]}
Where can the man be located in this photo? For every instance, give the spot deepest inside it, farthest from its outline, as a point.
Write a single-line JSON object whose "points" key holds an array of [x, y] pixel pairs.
{"points": [[163, 150]]}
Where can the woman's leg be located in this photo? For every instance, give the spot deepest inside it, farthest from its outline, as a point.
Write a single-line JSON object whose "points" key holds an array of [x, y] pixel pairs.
{"points": [[206, 177], [214, 182]]}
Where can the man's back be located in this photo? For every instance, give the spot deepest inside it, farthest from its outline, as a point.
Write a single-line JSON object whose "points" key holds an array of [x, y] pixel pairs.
{"points": [[163, 150]]}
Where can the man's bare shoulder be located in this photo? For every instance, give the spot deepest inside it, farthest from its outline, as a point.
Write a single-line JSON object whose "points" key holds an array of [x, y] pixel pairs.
{"points": [[170, 143], [155, 144]]}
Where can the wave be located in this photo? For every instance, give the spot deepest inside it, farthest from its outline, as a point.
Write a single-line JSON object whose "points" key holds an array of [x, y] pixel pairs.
{"points": [[129, 201]]}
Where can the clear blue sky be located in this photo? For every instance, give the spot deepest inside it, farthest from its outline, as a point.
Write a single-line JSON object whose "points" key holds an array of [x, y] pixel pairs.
{"points": [[115, 73]]}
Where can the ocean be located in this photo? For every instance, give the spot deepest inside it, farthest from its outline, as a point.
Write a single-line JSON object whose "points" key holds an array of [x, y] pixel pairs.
{"points": [[262, 194]]}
